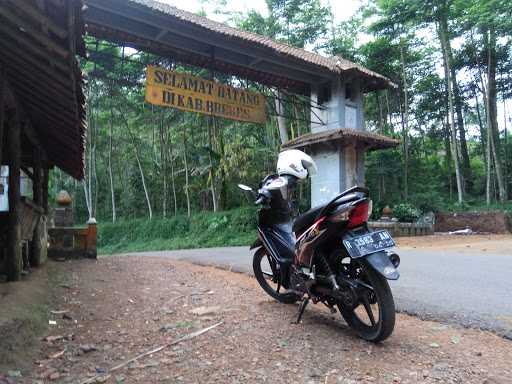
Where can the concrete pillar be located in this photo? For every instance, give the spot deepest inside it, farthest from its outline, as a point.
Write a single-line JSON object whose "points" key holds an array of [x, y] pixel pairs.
{"points": [[340, 165], [350, 166]]}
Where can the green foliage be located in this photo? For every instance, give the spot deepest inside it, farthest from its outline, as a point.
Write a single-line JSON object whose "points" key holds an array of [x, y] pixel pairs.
{"points": [[429, 201], [235, 227], [406, 212], [168, 147]]}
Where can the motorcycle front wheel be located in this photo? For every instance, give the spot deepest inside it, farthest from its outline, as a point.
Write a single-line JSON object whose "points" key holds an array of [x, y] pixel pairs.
{"points": [[267, 274], [373, 318]]}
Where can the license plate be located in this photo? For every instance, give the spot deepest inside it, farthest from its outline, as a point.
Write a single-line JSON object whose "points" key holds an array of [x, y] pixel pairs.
{"points": [[360, 246]]}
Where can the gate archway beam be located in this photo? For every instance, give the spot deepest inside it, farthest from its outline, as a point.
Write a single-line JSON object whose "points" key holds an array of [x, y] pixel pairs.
{"points": [[164, 30]]}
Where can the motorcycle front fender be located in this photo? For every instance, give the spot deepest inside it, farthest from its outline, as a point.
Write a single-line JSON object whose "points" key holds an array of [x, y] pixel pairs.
{"points": [[381, 263], [257, 243]]}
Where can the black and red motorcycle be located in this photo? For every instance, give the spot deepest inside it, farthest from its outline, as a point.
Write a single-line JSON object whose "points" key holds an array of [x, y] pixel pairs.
{"points": [[326, 255]]}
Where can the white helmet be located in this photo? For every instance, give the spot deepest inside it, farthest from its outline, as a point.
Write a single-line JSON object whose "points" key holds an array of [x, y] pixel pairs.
{"points": [[296, 163]]}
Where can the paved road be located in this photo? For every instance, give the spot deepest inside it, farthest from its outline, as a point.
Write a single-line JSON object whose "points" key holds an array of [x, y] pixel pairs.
{"points": [[471, 289]]}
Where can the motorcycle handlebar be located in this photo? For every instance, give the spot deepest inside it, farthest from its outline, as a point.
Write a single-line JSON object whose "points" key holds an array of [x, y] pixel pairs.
{"points": [[259, 200]]}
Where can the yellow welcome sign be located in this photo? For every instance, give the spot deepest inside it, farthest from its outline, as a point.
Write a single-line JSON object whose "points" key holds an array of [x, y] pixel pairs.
{"points": [[194, 94]]}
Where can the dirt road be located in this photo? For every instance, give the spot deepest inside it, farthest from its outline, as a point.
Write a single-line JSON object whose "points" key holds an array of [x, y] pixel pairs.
{"points": [[463, 280], [119, 307]]}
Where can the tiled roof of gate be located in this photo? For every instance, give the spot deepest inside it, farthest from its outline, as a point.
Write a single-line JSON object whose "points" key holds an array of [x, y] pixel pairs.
{"points": [[370, 140], [334, 64]]}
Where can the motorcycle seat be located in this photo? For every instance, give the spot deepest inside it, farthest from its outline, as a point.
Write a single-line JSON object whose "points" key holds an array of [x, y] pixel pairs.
{"points": [[302, 222], [307, 219]]}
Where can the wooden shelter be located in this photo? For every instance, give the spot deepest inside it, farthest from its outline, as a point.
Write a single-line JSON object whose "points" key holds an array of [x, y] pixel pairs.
{"points": [[42, 117]]}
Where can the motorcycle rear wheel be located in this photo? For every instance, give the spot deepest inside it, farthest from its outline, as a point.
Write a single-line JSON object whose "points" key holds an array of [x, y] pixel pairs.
{"points": [[265, 271], [369, 327]]}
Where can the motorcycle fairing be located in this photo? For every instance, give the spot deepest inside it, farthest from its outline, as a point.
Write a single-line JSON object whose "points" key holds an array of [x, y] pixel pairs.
{"points": [[279, 240]]}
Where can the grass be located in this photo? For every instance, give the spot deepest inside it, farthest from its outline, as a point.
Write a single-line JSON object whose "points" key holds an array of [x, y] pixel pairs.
{"points": [[207, 229], [229, 228], [478, 206]]}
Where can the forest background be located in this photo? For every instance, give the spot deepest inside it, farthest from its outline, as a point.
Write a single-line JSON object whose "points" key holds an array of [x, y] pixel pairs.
{"points": [[156, 173]]}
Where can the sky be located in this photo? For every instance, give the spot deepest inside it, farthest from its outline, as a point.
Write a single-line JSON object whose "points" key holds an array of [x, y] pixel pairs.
{"points": [[342, 9]]}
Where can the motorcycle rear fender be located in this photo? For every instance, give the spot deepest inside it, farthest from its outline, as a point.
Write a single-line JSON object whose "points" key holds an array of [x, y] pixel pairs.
{"points": [[381, 263]]}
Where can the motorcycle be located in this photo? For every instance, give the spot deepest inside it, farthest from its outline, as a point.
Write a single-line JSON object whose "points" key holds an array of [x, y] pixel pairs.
{"points": [[329, 255]]}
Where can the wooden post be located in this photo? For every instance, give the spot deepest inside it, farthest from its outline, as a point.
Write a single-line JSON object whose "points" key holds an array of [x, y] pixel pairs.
{"points": [[14, 261], [44, 202], [3, 92], [39, 239]]}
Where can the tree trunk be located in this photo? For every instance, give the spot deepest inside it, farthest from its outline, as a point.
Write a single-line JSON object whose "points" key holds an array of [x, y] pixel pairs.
{"points": [[223, 198], [297, 118], [211, 173], [281, 119], [14, 258], [3, 91], [141, 170], [488, 163], [443, 36], [448, 157], [381, 117], [173, 182], [466, 166], [90, 179], [110, 173], [480, 123], [163, 161], [143, 179], [38, 251], [388, 111], [186, 168], [493, 113], [405, 123], [487, 141]]}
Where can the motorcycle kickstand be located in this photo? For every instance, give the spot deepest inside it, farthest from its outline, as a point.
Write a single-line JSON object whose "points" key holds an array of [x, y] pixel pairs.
{"points": [[302, 308]]}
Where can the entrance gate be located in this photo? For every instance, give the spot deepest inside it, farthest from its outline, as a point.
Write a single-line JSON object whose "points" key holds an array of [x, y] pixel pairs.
{"points": [[338, 139]]}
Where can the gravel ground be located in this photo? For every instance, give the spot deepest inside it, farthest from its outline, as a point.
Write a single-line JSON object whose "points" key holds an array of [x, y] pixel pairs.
{"points": [[119, 307]]}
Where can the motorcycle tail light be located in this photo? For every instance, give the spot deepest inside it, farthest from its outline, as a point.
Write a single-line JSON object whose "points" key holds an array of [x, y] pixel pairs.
{"points": [[339, 215], [358, 215]]}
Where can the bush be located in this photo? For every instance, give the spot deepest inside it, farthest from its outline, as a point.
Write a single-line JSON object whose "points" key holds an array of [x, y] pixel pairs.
{"points": [[207, 229], [429, 201], [377, 208], [406, 212]]}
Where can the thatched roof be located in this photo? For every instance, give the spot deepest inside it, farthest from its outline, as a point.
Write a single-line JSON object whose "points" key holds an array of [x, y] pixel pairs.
{"points": [[40, 39], [344, 136]]}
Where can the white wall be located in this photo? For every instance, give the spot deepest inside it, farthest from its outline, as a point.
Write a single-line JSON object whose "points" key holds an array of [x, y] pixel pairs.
{"points": [[4, 200], [325, 184], [339, 168], [25, 187]]}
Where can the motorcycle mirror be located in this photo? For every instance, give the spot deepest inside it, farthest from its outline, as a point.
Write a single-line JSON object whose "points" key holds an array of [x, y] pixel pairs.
{"points": [[244, 187]]}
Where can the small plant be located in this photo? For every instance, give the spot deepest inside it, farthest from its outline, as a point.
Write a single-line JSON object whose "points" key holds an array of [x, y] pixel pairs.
{"points": [[406, 213]]}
